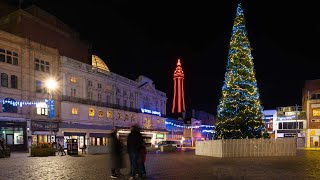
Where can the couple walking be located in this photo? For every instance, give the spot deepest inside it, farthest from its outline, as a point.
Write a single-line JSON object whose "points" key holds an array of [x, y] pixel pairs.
{"points": [[137, 153], [136, 150]]}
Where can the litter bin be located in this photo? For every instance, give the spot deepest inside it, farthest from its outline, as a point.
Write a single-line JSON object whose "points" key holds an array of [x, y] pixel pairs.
{"points": [[72, 146]]}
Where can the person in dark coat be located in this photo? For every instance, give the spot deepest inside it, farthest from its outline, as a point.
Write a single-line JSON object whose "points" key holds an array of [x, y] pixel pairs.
{"points": [[115, 152], [134, 146]]}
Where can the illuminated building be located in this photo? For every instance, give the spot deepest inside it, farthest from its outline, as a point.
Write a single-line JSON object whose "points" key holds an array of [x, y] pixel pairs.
{"points": [[178, 105], [311, 105]]}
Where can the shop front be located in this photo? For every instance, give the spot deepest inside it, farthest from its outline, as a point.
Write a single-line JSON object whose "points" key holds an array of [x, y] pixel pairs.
{"points": [[43, 131], [81, 138], [314, 138], [14, 134]]}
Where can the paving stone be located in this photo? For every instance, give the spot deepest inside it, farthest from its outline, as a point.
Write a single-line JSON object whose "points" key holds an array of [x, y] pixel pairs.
{"points": [[164, 166]]}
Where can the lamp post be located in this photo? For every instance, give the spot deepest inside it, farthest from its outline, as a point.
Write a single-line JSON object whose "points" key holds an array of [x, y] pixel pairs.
{"points": [[51, 85]]}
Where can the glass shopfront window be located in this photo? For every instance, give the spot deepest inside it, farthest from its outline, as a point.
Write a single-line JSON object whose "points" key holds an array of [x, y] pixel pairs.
{"points": [[14, 135]]}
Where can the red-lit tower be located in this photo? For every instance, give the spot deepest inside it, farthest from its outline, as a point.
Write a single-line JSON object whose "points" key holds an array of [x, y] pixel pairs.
{"points": [[178, 96]]}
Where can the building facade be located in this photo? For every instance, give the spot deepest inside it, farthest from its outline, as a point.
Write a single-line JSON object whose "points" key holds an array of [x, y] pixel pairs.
{"points": [[94, 100], [24, 66], [89, 99], [289, 121], [311, 105]]}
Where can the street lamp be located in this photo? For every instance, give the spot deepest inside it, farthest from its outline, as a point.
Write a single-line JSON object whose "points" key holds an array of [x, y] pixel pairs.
{"points": [[51, 85]]}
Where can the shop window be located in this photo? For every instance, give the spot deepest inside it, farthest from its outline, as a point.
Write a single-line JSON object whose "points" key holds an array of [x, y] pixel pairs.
{"points": [[18, 135], [14, 81], [100, 113], [4, 80], [74, 110], [91, 112], [73, 79], [9, 105], [42, 109]]}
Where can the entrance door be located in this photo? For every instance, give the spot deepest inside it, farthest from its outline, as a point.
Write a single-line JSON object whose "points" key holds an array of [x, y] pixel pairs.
{"points": [[9, 139]]}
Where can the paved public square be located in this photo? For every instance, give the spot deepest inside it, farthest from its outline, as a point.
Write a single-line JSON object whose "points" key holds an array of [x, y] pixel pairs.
{"points": [[174, 165]]}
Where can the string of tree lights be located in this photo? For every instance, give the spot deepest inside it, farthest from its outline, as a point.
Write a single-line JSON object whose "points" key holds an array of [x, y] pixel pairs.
{"points": [[239, 113], [180, 126]]}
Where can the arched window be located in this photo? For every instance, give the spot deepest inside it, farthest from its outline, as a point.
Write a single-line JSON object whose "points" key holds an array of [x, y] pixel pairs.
{"points": [[9, 105], [4, 80]]}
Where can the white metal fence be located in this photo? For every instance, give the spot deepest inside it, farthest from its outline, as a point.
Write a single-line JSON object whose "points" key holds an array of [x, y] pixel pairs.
{"points": [[247, 147]]}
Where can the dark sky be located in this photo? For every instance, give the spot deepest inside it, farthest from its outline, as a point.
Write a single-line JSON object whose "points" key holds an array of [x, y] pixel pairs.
{"points": [[147, 37]]}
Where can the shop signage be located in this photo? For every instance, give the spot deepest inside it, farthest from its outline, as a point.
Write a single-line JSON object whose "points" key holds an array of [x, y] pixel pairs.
{"points": [[316, 112], [289, 135], [44, 126], [50, 104], [148, 111], [159, 136]]}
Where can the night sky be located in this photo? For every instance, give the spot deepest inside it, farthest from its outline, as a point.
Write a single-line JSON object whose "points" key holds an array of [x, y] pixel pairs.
{"points": [[146, 38]]}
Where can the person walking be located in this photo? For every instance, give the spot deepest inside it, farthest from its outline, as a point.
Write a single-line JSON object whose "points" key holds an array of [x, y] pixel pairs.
{"points": [[134, 146], [115, 152], [142, 159], [84, 148], [61, 148]]}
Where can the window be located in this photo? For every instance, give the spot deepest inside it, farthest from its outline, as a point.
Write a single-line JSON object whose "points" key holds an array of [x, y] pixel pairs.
{"points": [[42, 109], [73, 79], [108, 99], [99, 86], [131, 104], [2, 55], [280, 125], [9, 105], [8, 56], [14, 81], [109, 114], [38, 86], [91, 112], [99, 97], [41, 65], [90, 83], [90, 95], [300, 125], [100, 113], [74, 110], [4, 80], [73, 92], [124, 102]]}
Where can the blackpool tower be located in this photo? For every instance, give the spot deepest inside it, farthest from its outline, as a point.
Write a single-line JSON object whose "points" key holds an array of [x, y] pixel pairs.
{"points": [[178, 105]]}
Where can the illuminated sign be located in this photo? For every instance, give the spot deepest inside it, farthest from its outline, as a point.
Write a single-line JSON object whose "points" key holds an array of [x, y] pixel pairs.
{"points": [[148, 111], [160, 136], [316, 112]]}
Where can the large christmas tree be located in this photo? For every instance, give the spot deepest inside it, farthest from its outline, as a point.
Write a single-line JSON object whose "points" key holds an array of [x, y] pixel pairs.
{"points": [[239, 113]]}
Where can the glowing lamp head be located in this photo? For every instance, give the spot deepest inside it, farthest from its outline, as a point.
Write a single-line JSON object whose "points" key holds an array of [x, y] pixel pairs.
{"points": [[51, 84]]}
